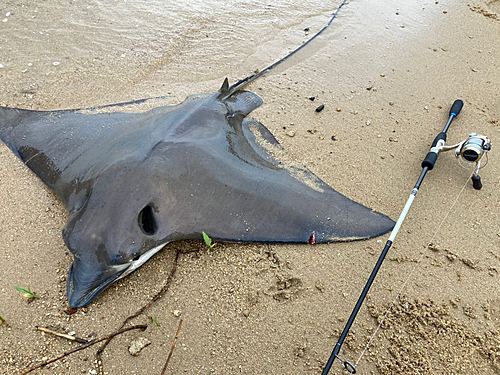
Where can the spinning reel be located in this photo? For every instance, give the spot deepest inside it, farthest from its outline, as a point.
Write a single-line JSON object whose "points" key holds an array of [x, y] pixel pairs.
{"points": [[470, 153]]}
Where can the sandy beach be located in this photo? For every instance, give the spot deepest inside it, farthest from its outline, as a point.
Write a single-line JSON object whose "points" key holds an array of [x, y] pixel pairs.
{"points": [[387, 75]]}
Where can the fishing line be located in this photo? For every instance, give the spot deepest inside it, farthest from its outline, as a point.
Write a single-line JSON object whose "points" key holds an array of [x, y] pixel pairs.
{"points": [[412, 272]]}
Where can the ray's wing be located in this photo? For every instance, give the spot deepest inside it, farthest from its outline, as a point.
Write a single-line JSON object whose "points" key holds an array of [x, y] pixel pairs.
{"points": [[51, 142], [240, 186]]}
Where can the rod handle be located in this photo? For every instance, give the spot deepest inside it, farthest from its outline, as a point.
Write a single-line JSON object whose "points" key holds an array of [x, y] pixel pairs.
{"points": [[431, 157], [456, 108]]}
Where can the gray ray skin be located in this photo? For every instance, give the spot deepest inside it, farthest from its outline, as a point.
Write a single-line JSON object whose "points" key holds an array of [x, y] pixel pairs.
{"points": [[133, 182]]}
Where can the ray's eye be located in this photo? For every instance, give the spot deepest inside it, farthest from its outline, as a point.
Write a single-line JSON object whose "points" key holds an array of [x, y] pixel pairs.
{"points": [[147, 221]]}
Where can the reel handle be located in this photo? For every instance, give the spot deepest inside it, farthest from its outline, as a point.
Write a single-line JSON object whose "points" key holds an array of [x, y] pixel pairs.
{"points": [[476, 182]]}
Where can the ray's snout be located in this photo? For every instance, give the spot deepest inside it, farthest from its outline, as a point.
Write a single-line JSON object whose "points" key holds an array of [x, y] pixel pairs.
{"points": [[86, 281]]}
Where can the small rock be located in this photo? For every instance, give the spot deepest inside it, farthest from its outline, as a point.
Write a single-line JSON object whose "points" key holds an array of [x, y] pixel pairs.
{"points": [[55, 63], [246, 313], [320, 108], [339, 109], [177, 313], [368, 123], [137, 345], [291, 133], [319, 286]]}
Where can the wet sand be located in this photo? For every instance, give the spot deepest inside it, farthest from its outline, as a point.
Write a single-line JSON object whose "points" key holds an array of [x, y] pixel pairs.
{"points": [[387, 77]]}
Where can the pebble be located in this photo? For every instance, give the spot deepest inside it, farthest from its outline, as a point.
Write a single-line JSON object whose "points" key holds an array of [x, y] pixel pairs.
{"points": [[55, 63], [177, 313], [291, 133], [137, 345], [368, 123], [5, 20], [1, 65], [339, 109], [320, 108]]}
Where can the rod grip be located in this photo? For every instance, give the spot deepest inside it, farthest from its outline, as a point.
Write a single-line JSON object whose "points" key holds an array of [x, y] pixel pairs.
{"points": [[456, 108], [431, 157]]}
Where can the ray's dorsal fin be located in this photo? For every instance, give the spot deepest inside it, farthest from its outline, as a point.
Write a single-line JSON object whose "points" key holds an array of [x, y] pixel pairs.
{"points": [[224, 89]]}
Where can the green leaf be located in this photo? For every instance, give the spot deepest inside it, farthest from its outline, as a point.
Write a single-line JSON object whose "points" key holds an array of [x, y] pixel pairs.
{"points": [[26, 293], [208, 241], [3, 322]]}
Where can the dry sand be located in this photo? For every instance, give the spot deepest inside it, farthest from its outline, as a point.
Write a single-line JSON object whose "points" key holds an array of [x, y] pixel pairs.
{"points": [[269, 309]]}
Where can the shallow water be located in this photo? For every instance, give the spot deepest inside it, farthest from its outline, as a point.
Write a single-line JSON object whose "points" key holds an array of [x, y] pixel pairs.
{"points": [[54, 37], [101, 45]]}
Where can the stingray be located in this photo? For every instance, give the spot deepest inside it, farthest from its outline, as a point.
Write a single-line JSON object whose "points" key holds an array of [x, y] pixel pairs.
{"points": [[133, 182]]}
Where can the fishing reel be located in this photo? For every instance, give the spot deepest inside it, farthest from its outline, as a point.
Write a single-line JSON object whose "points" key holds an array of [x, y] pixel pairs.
{"points": [[470, 153]]}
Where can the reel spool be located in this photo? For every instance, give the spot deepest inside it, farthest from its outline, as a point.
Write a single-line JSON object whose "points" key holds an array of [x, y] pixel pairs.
{"points": [[473, 150]]}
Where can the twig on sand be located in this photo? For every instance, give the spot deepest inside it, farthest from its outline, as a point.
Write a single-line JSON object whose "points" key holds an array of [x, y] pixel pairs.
{"points": [[172, 349], [64, 335], [90, 343], [139, 312]]}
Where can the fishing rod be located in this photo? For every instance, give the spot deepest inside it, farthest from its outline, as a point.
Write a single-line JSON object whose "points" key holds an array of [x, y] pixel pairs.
{"points": [[472, 150]]}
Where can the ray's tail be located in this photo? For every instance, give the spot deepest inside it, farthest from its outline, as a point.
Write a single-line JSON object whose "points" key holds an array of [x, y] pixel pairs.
{"points": [[245, 81]]}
